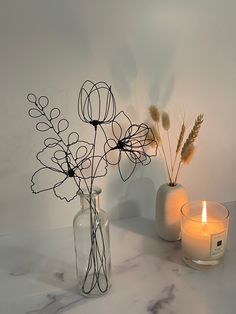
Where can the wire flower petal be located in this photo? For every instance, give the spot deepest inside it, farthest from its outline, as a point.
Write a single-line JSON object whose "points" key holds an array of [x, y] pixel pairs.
{"points": [[41, 181], [67, 189], [96, 103], [126, 168]]}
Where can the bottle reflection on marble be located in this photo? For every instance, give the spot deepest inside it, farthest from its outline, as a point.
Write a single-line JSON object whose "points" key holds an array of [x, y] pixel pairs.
{"points": [[92, 246]]}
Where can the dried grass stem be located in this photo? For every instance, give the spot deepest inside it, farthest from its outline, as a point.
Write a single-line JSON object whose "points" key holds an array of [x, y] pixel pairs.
{"points": [[183, 152]]}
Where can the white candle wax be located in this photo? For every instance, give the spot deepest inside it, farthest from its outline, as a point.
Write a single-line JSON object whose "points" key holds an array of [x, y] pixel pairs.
{"points": [[203, 241]]}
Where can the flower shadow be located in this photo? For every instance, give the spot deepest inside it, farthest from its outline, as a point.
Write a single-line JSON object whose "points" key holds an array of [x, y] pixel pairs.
{"points": [[159, 84]]}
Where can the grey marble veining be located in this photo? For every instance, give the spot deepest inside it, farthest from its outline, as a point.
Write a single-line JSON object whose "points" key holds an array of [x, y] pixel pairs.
{"points": [[163, 301], [58, 303], [37, 274], [127, 265]]}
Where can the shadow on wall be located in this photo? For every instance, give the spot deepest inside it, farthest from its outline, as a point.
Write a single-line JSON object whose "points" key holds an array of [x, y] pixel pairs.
{"points": [[132, 198], [149, 62], [136, 196], [155, 68], [124, 71]]}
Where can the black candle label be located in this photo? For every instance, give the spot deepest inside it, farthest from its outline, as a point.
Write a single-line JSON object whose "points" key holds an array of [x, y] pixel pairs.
{"points": [[217, 244]]}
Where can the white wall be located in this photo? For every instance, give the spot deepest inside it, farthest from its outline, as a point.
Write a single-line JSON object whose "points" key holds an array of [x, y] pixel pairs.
{"points": [[178, 54]]}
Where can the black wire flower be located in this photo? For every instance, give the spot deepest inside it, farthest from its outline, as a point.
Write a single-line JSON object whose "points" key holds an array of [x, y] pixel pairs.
{"points": [[63, 167], [130, 141], [96, 103]]}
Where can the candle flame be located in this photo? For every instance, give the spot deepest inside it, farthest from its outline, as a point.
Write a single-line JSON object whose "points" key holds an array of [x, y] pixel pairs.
{"points": [[204, 212]]}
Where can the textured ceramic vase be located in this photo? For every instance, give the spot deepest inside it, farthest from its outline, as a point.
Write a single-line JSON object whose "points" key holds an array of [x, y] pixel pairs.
{"points": [[169, 201]]}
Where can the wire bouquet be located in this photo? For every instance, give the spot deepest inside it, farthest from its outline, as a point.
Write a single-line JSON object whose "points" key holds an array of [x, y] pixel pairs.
{"points": [[71, 165]]}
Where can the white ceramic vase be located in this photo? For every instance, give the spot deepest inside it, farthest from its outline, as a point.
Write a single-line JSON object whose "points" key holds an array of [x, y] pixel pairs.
{"points": [[169, 201]]}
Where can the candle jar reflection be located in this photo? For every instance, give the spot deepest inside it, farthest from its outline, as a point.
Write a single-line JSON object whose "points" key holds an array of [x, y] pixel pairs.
{"points": [[204, 238]]}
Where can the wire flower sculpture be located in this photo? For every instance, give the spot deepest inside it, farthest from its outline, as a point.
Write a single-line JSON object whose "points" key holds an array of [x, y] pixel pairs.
{"points": [[69, 165]]}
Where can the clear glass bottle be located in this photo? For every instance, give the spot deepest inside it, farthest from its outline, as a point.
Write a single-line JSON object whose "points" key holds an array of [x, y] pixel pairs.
{"points": [[92, 246]]}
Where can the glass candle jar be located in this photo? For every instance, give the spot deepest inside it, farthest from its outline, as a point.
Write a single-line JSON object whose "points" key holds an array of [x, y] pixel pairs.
{"points": [[204, 228]]}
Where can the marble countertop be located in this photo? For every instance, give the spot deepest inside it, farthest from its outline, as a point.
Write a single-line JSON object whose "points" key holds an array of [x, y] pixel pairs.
{"points": [[37, 274]]}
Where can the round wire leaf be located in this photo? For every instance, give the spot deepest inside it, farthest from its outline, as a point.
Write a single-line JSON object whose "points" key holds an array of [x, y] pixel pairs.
{"points": [[55, 113], [43, 101], [81, 152], [60, 154], [86, 164], [32, 98], [62, 125], [51, 142], [42, 126], [35, 113], [73, 138]]}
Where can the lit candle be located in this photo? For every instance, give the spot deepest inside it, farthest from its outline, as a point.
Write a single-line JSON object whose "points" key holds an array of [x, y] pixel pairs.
{"points": [[204, 228]]}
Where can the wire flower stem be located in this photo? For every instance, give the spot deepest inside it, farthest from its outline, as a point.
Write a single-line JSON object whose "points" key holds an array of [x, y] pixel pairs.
{"points": [[95, 256]]}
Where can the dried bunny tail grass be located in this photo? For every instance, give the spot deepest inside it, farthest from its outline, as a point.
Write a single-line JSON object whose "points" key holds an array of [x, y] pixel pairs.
{"points": [[165, 120], [181, 138], [195, 130], [187, 153], [154, 112]]}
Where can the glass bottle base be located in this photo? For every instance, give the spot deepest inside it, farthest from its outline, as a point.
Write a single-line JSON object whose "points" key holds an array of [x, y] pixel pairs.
{"points": [[202, 264], [93, 287]]}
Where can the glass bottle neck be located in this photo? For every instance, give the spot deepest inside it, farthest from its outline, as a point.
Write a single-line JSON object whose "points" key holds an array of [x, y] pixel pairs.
{"points": [[90, 201]]}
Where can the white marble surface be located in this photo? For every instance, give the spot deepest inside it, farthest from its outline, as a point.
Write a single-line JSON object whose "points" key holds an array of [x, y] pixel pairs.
{"points": [[37, 274]]}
